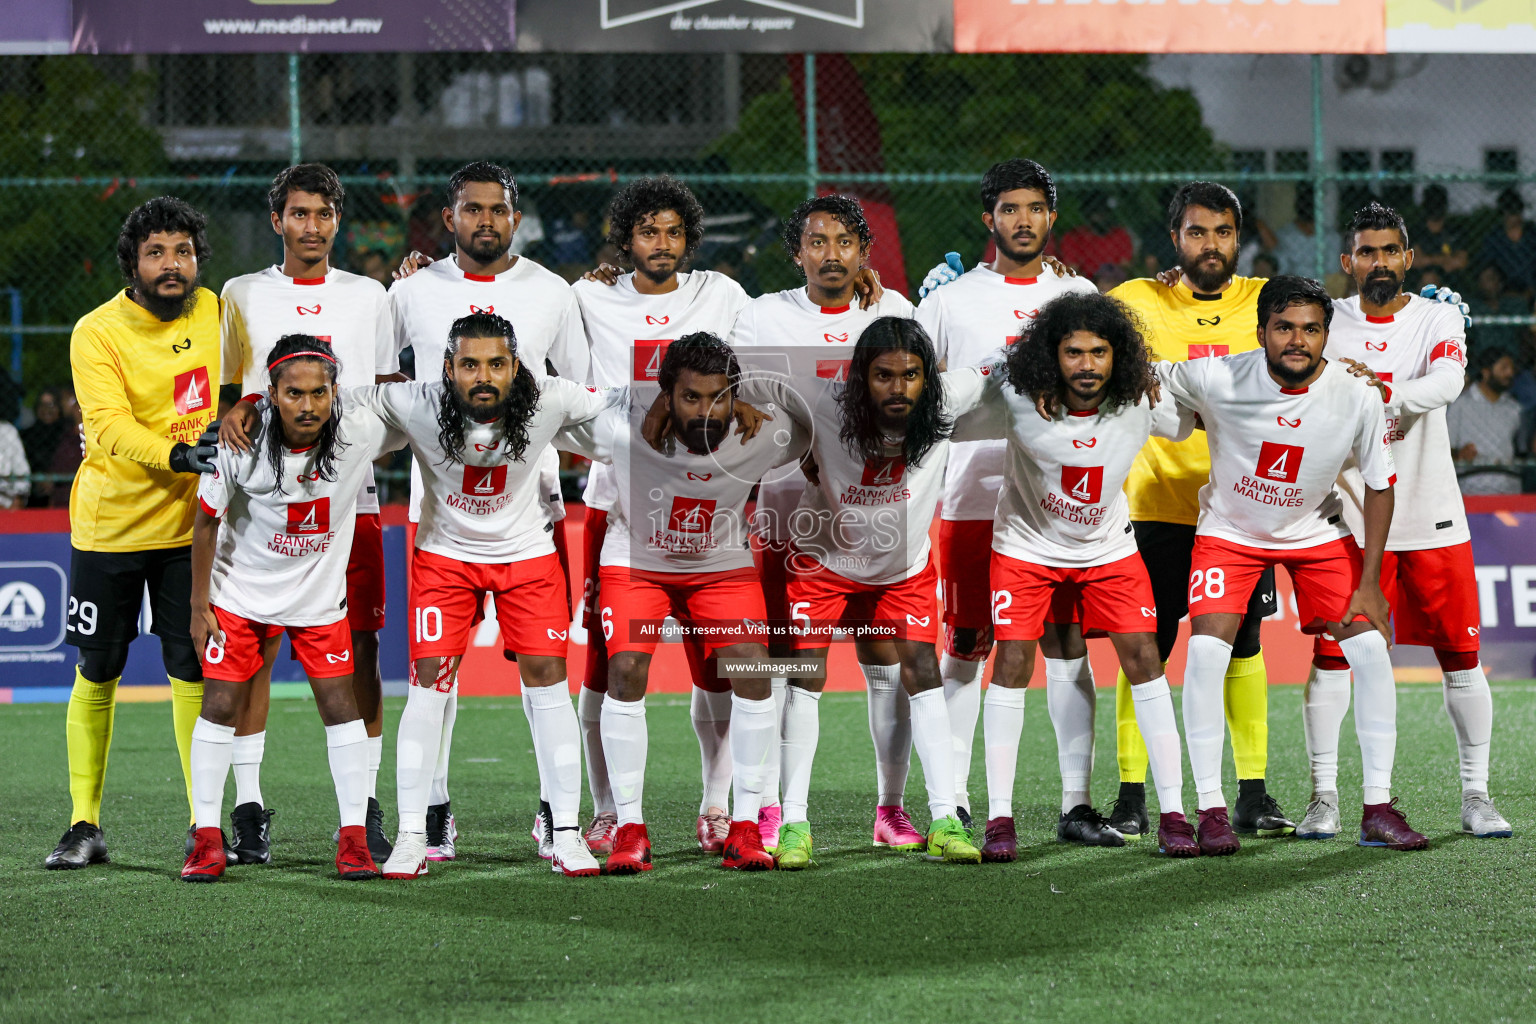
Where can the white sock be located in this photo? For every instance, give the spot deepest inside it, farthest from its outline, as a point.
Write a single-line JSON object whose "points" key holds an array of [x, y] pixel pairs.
{"points": [[890, 727], [802, 728], [557, 746], [375, 758], [1154, 717], [1069, 700], [935, 745], [1002, 724], [248, 752], [417, 740], [1322, 716], [1375, 711], [589, 709], [962, 697], [711, 714], [1205, 727], [212, 748], [1469, 702], [527, 703], [624, 746], [439, 791], [753, 731], [780, 687], [346, 746]]}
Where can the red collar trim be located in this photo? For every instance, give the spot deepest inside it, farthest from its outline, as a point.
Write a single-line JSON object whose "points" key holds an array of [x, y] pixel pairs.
{"points": [[483, 278], [1293, 391], [300, 451], [1082, 412], [307, 280], [834, 310], [1379, 319], [1020, 280]]}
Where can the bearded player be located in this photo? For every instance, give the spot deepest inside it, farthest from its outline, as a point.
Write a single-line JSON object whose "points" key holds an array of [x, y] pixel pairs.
{"points": [[305, 294], [1418, 348], [969, 320], [145, 365], [1282, 422], [269, 557]]}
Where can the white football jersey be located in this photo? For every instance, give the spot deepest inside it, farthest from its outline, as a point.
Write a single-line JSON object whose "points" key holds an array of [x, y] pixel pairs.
{"points": [[677, 510], [282, 557], [348, 310], [1421, 352], [868, 520], [969, 320], [1276, 452], [809, 339], [1063, 501], [628, 334], [485, 508]]}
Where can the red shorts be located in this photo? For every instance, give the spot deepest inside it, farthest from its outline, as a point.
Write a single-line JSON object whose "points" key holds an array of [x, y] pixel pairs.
{"points": [[593, 529], [1433, 594], [820, 600], [365, 574], [1112, 598], [447, 594], [773, 570], [1324, 577], [965, 559], [719, 609], [324, 651]]}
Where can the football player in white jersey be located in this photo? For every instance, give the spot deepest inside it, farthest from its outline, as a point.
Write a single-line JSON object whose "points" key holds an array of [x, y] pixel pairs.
{"points": [[1418, 348], [814, 330], [678, 544], [860, 558], [305, 294], [278, 565], [485, 276], [969, 320], [1282, 421], [1064, 560], [656, 224]]}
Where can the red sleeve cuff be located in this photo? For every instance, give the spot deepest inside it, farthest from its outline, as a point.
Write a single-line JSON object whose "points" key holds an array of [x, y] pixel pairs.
{"points": [[1392, 480], [253, 398], [215, 513]]}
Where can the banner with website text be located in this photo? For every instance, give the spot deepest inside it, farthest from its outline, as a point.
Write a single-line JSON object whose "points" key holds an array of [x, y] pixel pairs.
{"points": [[1461, 26]]}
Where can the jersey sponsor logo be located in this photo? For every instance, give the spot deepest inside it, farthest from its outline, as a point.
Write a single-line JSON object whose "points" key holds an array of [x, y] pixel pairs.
{"points": [[657, 321], [885, 471], [1282, 421], [1206, 351], [700, 476], [1208, 322], [1449, 350], [1148, 613], [691, 515], [1083, 483], [338, 659], [835, 370], [1019, 314], [477, 309], [556, 634], [311, 310], [309, 516], [1084, 444], [1472, 631], [181, 346], [648, 356], [308, 478], [487, 447], [1372, 346], [918, 620], [836, 338], [191, 391], [484, 481], [1384, 377], [1279, 462]]}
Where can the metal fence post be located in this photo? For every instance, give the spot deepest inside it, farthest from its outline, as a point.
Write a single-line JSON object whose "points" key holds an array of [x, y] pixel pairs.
{"points": [[1320, 220], [16, 335], [295, 134], [810, 126]]}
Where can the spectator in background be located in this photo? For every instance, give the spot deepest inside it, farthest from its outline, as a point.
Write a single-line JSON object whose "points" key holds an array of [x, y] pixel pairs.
{"points": [[70, 451], [1483, 424], [1266, 264], [1493, 299], [1295, 244], [1512, 245], [42, 439], [374, 263], [14, 485], [1434, 247], [1099, 240]]}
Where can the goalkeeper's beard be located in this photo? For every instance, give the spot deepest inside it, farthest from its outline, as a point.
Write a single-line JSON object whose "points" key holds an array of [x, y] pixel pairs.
{"points": [[165, 307]]}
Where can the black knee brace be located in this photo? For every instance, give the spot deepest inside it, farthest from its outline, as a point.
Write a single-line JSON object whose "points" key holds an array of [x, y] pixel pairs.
{"points": [[181, 660], [99, 664]]}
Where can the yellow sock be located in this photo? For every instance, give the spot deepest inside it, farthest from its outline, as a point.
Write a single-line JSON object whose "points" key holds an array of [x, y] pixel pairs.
{"points": [[88, 737], [186, 704], [1247, 704], [1130, 750]]}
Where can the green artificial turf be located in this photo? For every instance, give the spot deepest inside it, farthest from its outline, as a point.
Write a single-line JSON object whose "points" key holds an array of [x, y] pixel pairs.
{"points": [[1285, 930]]}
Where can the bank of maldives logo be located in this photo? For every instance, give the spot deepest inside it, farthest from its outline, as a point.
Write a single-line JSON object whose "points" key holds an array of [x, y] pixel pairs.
{"points": [[618, 13], [32, 603]]}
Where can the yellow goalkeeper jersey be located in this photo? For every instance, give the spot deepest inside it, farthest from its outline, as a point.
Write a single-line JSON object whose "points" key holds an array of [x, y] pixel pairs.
{"points": [[1164, 485], [143, 385]]}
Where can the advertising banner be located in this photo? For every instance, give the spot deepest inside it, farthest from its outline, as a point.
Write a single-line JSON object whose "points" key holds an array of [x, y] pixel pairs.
{"points": [[284, 26], [1170, 26], [735, 26], [1461, 26], [36, 26]]}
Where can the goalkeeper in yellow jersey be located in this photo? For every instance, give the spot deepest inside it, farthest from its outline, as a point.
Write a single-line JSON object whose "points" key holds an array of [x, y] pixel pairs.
{"points": [[146, 372], [1208, 312]]}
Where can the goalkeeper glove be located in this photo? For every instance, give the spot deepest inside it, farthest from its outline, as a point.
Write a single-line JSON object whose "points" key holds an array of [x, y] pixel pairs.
{"points": [[944, 273]]}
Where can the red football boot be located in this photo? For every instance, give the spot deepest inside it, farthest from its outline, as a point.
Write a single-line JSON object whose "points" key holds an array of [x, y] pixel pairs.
{"points": [[711, 831], [1216, 837], [631, 851], [1384, 825], [1000, 841], [1175, 836], [744, 848], [206, 861], [353, 861]]}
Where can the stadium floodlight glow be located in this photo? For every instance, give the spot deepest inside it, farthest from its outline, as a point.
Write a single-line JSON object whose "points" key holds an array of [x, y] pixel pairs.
{"points": [[617, 13]]}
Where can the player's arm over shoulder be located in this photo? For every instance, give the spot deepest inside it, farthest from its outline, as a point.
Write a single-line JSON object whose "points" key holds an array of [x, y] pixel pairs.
{"points": [[1185, 382], [574, 402], [1170, 419]]}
